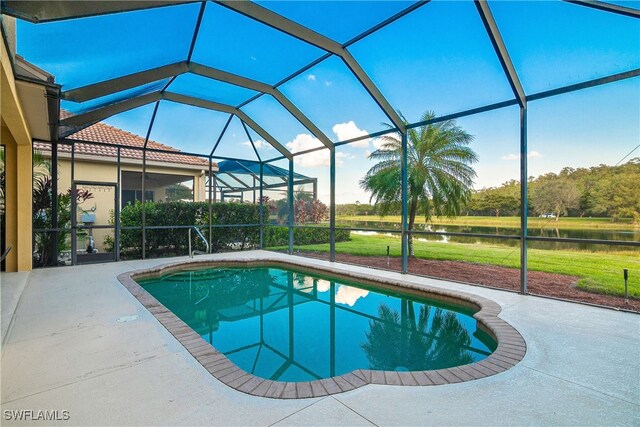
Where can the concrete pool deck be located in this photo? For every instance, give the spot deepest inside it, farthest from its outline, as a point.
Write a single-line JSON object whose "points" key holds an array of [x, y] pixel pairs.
{"points": [[66, 350]]}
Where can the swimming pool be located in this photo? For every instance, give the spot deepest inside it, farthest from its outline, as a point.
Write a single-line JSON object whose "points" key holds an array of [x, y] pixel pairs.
{"points": [[287, 324]]}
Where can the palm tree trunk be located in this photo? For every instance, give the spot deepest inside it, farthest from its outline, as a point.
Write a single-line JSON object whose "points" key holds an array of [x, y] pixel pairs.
{"points": [[413, 209]]}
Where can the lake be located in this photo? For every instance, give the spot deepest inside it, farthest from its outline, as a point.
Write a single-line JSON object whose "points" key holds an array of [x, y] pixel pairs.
{"points": [[549, 231]]}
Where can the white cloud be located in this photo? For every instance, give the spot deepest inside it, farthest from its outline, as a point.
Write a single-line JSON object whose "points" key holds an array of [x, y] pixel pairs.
{"points": [[378, 143], [367, 153], [259, 144], [323, 285], [349, 295], [311, 77], [532, 155], [314, 159], [303, 142], [510, 157], [349, 130], [328, 83]]}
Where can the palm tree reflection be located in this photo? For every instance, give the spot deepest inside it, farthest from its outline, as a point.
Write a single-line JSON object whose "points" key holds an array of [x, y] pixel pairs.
{"points": [[401, 342]]}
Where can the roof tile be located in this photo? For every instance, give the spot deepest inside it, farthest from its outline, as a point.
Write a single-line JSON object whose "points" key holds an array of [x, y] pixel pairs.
{"points": [[103, 133]]}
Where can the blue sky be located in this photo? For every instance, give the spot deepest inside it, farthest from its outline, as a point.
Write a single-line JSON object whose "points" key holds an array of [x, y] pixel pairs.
{"points": [[437, 58]]}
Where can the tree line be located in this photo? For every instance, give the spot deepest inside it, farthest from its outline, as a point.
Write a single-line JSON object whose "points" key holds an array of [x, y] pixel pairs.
{"points": [[598, 191]]}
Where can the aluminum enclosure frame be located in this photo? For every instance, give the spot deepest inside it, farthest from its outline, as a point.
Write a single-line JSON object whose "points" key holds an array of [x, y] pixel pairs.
{"points": [[332, 48]]}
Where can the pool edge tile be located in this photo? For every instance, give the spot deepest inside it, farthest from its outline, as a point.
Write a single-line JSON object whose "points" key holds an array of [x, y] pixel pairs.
{"points": [[510, 351]]}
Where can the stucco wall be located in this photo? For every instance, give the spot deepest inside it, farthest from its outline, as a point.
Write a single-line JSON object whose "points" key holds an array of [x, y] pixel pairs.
{"points": [[17, 141], [103, 200]]}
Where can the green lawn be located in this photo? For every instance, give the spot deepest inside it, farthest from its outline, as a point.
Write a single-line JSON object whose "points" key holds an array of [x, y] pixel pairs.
{"points": [[599, 271], [507, 221]]}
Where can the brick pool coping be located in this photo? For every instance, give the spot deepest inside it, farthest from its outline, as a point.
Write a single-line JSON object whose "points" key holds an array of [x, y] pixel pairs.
{"points": [[510, 350]]}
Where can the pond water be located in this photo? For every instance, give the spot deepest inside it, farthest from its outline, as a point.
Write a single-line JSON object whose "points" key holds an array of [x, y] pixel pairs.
{"points": [[549, 231]]}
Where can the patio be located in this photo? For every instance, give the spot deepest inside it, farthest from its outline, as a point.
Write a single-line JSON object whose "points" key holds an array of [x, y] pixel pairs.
{"points": [[67, 350], [270, 142]]}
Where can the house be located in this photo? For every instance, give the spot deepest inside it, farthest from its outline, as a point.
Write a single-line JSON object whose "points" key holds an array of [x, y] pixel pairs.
{"points": [[102, 171], [110, 170]]}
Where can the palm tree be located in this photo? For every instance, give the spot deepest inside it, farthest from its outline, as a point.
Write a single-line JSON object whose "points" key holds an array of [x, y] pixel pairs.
{"points": [[439, 172], [432, 340]]}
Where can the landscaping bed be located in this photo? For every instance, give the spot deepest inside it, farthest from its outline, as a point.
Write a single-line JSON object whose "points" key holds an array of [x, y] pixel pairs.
{"points": [[539, 283]]}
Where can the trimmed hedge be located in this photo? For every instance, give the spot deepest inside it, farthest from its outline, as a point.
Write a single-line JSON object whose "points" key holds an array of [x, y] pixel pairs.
{"points": [[234, 238], [174, 241], [279, 236]]}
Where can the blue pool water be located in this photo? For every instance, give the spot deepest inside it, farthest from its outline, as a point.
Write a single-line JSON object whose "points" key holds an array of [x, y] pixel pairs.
{"points": [[288, 325]]}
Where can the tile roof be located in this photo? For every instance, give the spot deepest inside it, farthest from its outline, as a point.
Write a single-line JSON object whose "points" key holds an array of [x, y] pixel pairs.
{"points": [[101, 132]]}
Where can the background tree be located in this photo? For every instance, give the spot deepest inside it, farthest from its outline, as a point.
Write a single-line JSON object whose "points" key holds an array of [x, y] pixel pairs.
{"points": [[617, 194], [310, 211], [603, 191], [353, 209], [179, 192], [503, 200], [555, 196], [440, 175]]}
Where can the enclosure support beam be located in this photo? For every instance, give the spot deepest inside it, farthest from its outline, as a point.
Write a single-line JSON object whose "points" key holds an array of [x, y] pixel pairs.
{"points": [[210, 201], [54, 200], [332, 205], [215, 188], [244, 184], [254, 190], [524, 202], [372, 89], [87, 119], [144, 205], [144, 174], [116, 219], [263, 88], [261, 206], [289, 106], [224, 129], [264, 134], [501, 50], [196, 30], [216, 106], [290, 201], [253, 145], [405, 190], [74, 207], [262, 14], [118, 84], [607, 7], [48, 11]]}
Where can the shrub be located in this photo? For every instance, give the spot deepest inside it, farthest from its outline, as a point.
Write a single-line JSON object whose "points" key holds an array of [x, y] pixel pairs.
{"points": [[279, 236], [235, 238], [174, 241]]}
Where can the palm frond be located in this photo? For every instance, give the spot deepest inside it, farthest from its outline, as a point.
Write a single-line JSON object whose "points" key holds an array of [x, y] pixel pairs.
{"points": [[440, 172]]}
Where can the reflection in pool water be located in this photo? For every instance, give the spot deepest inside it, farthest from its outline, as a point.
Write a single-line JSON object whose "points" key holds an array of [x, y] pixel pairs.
{"points": [[292, 326], [349, 295]]}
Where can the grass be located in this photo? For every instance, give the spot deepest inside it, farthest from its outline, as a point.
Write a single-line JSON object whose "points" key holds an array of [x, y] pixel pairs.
{"points": [[507, 222], [599, 272]]}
